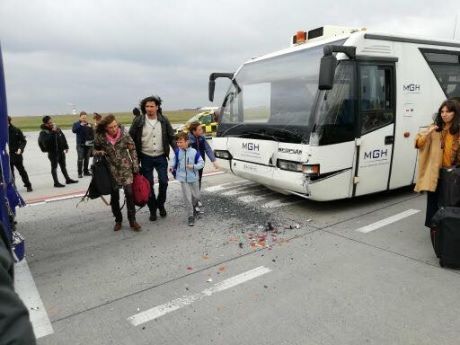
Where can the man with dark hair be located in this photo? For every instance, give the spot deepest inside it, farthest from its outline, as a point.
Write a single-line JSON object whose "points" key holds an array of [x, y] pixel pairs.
{"points": [[85, 142], [15, 326], [153, 135], [136, 112], [17, 143], [53, 141]]}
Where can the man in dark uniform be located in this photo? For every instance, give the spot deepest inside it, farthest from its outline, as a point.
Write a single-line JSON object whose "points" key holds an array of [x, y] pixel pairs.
{"points": [[17, 143], [53, 141]]}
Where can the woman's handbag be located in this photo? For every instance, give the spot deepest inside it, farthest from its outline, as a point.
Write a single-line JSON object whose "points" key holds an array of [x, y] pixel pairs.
{"points": [[102, 182], [141, 190]]}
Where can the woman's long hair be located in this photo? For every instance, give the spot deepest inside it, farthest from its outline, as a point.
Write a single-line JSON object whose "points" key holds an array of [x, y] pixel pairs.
{"points": [[451, 105], [106, 120]]}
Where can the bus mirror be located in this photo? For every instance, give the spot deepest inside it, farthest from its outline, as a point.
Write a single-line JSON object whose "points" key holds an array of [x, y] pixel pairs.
{"points": [[326, 72], [211, 88]]}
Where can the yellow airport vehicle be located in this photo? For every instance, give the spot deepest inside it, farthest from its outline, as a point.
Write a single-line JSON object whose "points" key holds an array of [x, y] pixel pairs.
{"points": [[207, 118]]}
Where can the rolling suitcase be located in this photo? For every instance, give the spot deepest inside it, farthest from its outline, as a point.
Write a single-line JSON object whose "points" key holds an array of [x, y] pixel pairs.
{"points": [[447, 221], [449, 187]]}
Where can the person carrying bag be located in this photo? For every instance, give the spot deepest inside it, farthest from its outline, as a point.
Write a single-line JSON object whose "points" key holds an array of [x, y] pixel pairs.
{"points": [[118, 148]]}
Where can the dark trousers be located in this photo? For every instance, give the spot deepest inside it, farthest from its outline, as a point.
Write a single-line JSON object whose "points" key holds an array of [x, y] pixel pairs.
{"points": [[160, 164], [58, 159], [200, 174], [16, 161], [432, 206], [84, 153], [115, 204]]}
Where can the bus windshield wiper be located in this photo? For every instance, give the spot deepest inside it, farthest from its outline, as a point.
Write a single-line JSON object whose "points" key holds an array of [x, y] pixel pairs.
{"points": [[261, 135], [233, 127], [285, 133]]}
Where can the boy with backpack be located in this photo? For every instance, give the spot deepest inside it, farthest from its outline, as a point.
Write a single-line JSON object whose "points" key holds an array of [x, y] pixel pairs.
{"points": [[185, 168]]}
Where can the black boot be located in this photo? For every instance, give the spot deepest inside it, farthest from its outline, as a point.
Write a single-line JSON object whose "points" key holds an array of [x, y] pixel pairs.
{"points": [[80, 169]]}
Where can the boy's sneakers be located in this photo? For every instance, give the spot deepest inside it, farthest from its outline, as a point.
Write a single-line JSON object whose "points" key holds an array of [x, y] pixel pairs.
{"points": [[199, 204], [197, 211], [191, 221]]}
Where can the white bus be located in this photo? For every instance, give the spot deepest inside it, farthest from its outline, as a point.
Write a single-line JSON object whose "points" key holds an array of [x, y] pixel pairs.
{"points": [[335, 115]]}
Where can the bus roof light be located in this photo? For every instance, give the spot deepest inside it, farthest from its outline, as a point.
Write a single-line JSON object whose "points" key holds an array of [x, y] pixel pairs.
{"points": [[300, 37]]}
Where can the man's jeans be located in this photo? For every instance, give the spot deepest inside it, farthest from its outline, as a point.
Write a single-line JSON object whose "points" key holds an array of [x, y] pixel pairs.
{"points": [[160, 164], [84, 152]]}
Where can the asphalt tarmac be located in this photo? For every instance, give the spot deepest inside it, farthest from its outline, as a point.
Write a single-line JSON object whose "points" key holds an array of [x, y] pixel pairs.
{"points": [[258, 267]]}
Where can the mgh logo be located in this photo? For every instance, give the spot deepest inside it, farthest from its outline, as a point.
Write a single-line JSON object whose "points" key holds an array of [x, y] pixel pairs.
{"points": [[250, 147], [411, 87]]}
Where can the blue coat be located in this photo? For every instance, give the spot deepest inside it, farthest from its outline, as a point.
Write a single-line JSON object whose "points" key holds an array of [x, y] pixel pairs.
{"points": [[83, 133], [201, 145], [187, 157]]}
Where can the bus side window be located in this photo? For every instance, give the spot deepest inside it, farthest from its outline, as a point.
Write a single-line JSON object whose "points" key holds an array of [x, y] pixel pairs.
{"points": [[375, 97]]}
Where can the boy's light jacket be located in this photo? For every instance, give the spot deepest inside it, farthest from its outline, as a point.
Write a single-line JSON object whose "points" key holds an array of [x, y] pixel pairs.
{"points": [[187, 157]]}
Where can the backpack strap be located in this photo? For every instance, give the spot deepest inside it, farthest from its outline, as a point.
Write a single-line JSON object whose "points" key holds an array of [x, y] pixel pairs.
{"points": [[176, 159]]}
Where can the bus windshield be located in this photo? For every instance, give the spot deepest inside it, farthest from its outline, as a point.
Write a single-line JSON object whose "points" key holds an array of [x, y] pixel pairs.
{"points": [[334, 120], [273, 98]]}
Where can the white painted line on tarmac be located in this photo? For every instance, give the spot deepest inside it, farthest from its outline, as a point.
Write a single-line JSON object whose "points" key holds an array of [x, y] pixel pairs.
{"points": [[241, 190], [253, 198], [175, 304], [26, 289], [73, 196], [387, 221], [228, 185], [36, 204], [80, 194], [279, 203]]}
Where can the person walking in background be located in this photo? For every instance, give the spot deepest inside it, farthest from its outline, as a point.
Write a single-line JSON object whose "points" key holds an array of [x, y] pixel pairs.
{"points": [[438, 148], [153, 135], [136, 112], [119, 150], [53, 141], [85, 141], [17, 143], [187, 164], [97, 118], [199, 143]]}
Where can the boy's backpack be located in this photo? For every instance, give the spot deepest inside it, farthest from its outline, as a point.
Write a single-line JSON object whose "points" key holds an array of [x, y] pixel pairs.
{"points": [[176, 153], [141, 190]]}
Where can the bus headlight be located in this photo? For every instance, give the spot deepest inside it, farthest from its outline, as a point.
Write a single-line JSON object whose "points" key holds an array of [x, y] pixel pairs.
{"points": [[222, 154], [311, 170], [289, 165]]}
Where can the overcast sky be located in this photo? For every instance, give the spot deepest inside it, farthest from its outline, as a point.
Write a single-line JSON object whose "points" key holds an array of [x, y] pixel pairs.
{"points": [[105, 55]]}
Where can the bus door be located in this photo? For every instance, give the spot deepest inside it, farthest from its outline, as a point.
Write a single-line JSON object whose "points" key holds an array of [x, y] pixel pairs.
{"points": [[377, 123]]}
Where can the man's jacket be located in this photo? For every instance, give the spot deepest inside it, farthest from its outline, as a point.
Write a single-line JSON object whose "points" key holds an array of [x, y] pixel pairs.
{"points": [[52, 142], [167, 133], [17, 140], [84, 133]]}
